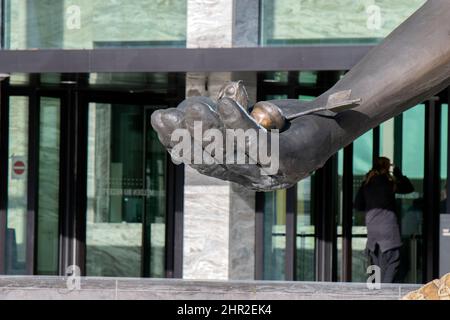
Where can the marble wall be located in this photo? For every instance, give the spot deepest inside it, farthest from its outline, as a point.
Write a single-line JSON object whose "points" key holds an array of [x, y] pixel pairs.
{"points": [[219, 230], [209, 23], [206, 220], [206, 200]]}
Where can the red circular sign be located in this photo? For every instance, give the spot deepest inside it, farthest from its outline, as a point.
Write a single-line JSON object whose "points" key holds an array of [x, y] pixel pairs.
{"points": [[19, 167]]}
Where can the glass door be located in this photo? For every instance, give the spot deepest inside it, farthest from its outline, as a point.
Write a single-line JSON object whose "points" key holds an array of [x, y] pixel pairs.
{"points": [[32, 184], [17, 219], [48, 185]]}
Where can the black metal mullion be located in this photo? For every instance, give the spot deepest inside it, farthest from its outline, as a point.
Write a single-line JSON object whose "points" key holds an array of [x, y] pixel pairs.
{"points": [[398, 138], [64, 183], [65, 252], [431, 187], [174, 222], [73, 219], [259, 235], [170, 220], [32, 181], [80, 175], [347, 215], [178, 227], [376, 143], [448, 152]]}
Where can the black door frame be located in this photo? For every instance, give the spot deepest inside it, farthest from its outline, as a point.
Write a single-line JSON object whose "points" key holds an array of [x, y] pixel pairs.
{"points": [[75, 97]]}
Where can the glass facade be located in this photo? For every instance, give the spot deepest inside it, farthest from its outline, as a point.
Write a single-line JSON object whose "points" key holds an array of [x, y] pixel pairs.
{"points": [[88, 133], [48, 186], [97, 165], [297, 22], [401, 139], [126, 193], [90, 24]]}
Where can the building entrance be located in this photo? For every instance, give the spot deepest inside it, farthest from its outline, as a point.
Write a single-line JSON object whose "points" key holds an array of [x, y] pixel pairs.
{"points": [[85, 180]]}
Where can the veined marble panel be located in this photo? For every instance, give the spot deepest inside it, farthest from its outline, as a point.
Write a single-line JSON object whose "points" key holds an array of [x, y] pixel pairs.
{"points": [[209, 23], [242, 233], [206, 223], [82, 24], [176, 289]]}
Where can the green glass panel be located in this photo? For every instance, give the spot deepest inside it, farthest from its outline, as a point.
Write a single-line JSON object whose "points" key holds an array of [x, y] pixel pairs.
{"points": [[413, 142], [19, 78], [362, 163], [16, 233], [306, 98], [307, 77], [276, 76], [276, 97], [155, 177], [410, 206], [126, 194], [305, 256], [362, 150], [48, 196], [275, 235]]}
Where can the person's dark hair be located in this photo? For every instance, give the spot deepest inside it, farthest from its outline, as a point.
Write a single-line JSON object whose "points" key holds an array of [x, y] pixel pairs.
{"points": [[380, 167]]}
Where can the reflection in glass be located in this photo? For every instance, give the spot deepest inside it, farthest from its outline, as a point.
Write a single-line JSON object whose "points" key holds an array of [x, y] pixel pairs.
{"points": [[126, 194], [88, 24], [362, 163], [305, 255], [293, 22], [48, 196], [308, 78], [276, 76], [16, 232], [274, 235], [410, 206]]}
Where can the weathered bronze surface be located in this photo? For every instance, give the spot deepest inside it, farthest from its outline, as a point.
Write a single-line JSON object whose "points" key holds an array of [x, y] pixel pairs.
{"points": [[268, 115], [409, 66]]}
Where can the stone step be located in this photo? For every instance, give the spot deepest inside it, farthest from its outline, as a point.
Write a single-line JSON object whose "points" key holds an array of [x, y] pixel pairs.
{"points": [[44, 287]]}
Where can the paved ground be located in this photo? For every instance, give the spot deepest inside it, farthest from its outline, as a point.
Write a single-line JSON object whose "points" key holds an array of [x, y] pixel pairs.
{"points": [[32, 287]]}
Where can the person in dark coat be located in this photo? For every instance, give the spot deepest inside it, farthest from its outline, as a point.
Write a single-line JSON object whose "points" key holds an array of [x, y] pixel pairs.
{"points": [[376, 197]]}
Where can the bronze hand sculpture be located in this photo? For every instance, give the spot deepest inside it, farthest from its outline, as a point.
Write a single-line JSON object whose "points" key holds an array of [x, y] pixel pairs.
{"points": [[409, 66]]}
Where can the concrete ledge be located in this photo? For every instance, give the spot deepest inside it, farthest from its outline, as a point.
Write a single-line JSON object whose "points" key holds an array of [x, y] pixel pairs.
{"points": [[35, 287]]}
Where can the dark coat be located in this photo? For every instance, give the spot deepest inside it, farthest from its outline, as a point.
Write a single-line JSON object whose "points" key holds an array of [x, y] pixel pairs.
{"points": [[377, 199], [380, 192]]}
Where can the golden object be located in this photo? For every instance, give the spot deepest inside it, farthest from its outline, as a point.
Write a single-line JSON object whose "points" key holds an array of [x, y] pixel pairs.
{"points": [[268, 115], [434, 290]]}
